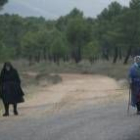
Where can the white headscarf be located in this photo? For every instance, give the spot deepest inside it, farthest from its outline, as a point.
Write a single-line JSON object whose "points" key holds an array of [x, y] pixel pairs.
{"points": [[137, 60]]}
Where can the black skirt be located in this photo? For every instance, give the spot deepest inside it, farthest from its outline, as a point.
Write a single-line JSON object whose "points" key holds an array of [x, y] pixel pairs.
{"points": [[12, 93]]}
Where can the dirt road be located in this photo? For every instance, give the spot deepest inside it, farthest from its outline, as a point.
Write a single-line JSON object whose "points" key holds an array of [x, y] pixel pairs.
{"points": [[82, 107]]}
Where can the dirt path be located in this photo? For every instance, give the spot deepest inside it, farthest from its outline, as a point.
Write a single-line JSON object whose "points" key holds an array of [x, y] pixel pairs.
{"points": [[74, 92], [82, 107]]}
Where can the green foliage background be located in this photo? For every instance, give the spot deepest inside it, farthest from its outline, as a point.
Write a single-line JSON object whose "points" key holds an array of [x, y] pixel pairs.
{"points": [[114, 34]]}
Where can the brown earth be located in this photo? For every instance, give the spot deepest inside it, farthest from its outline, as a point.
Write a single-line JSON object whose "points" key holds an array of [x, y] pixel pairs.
{"points": [[74, 92], [81, 107]]}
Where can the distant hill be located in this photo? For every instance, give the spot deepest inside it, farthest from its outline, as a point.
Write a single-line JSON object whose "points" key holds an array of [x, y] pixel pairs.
{"points": [[54, 9]]}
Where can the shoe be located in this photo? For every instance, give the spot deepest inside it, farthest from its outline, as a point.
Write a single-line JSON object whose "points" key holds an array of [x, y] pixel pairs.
{"points": [[5, 114], [15, 113], [138, 112]]}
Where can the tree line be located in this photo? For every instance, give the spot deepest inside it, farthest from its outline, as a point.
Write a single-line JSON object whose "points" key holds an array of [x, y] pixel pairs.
{"points": [[113, 35]]}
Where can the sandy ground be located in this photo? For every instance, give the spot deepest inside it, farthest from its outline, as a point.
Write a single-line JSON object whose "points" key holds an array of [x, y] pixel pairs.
{"points": [[82, 107], [74, 92]]}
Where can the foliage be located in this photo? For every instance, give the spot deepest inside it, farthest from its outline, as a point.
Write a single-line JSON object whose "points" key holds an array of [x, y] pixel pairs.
{"points": [[2, 2], [114, 34]]}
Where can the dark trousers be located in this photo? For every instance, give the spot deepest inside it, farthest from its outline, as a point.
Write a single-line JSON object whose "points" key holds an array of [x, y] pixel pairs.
{"points": [[138, 106], [6, 106]]}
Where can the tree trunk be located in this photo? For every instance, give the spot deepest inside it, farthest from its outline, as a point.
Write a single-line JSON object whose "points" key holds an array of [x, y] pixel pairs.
{"points": [[77, 55], [45, 54], [115, 55], [38, 58], [128, 55], [30, 60], [120, 54]]}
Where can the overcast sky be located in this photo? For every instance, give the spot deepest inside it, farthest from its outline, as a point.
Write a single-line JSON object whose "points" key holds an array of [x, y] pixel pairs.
{"points": [[52, 9]]}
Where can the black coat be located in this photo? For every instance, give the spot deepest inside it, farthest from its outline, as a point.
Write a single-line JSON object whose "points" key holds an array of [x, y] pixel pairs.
{"points": [[11, 91]]}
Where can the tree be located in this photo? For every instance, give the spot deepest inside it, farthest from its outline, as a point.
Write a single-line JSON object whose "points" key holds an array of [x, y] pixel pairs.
{"points": [[131, 28], [58, 49], [6, 53], [91, 51], [34, 46], [28, 44], [78, 34], [63, 21], [107, 30], [113, 10], [114, 34], [2, 3]]}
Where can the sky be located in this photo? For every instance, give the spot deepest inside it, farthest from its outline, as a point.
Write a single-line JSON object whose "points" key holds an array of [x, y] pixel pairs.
{"points": [[52, 9]]}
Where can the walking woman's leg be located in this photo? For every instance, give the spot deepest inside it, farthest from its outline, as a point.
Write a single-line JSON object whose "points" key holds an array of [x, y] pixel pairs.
{"points": [[6, 107], [138, 108], [15, 109]]}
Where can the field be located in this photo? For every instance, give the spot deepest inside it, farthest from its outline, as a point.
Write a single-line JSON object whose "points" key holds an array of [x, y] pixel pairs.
{"points": [[72, 102], [32, 74], [80, 107]]}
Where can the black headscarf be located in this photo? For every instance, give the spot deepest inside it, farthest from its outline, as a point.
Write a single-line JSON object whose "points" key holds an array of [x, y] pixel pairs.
{"points": [[7, 64], [11, 74]]}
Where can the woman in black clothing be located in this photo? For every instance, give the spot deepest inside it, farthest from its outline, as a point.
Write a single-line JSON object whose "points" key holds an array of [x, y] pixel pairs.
{"points": [[11, 92]]}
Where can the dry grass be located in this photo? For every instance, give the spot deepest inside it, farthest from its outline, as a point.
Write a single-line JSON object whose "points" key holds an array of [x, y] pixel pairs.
{"points": [[117, 71], [47, 73]]}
